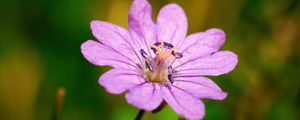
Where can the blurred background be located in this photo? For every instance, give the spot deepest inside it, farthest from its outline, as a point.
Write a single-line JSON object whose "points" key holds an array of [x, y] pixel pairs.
{"points": [[40, 53]]}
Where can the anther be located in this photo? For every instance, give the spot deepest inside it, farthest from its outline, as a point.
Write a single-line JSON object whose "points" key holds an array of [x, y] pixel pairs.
{"points": [[149, 66], [144, 54], [170, 78], [177, 54], [165, 44], [157, 43], [168, 45], [154, 50], [170, 71]]}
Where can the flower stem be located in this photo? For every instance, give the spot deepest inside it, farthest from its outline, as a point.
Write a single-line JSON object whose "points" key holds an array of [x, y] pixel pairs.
{"points": [[161, 106], [181, 118], [140, 114]]}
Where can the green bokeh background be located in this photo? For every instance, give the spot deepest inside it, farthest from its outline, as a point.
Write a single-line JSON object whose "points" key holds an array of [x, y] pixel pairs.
{"points": [[40, 52]]}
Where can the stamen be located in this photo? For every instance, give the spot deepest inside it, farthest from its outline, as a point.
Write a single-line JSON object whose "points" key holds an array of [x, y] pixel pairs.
{"points": [[177, 54], [144, 54], [157, 43], [154, 50], [168, 45], [170, 78], [170, 71], [149, 66]]}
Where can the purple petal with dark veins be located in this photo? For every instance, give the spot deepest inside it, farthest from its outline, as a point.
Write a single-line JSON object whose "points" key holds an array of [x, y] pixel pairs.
{"points": [[140, 24], [201, 44], [145, 96], [216, 64], [183, 102], [117, 81], [116, 38], [200, 87], [172, 24], [101, 55]]}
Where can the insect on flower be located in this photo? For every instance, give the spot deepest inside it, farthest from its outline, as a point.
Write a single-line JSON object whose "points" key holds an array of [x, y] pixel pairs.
{"points": [[155, 61]]}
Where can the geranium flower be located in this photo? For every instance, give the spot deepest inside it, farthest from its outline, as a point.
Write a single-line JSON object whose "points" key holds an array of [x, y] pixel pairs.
{"points": [[156, 61]]}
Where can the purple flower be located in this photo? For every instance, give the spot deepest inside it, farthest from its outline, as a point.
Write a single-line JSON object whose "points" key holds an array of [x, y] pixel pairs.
{"points": [[156, 61]]}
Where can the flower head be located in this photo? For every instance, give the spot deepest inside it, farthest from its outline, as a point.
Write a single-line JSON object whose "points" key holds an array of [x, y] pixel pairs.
{"points": [[155, 61]]}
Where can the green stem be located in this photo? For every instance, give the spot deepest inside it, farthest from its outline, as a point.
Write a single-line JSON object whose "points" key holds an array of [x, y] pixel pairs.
{"points": [[161, 106], [140, 114], [181, 118]]}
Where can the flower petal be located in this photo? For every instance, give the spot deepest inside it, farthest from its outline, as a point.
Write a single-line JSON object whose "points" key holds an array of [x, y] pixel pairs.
{"points": [[116, 81], [115, 37], [141, 25], [200, 87], [172, 24], [201, 44], [101, 55], [145, 96], [216, 64], [183, 103]]}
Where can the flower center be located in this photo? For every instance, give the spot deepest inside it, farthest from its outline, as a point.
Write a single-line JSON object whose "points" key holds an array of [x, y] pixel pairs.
{"points": [[158, 69]]}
